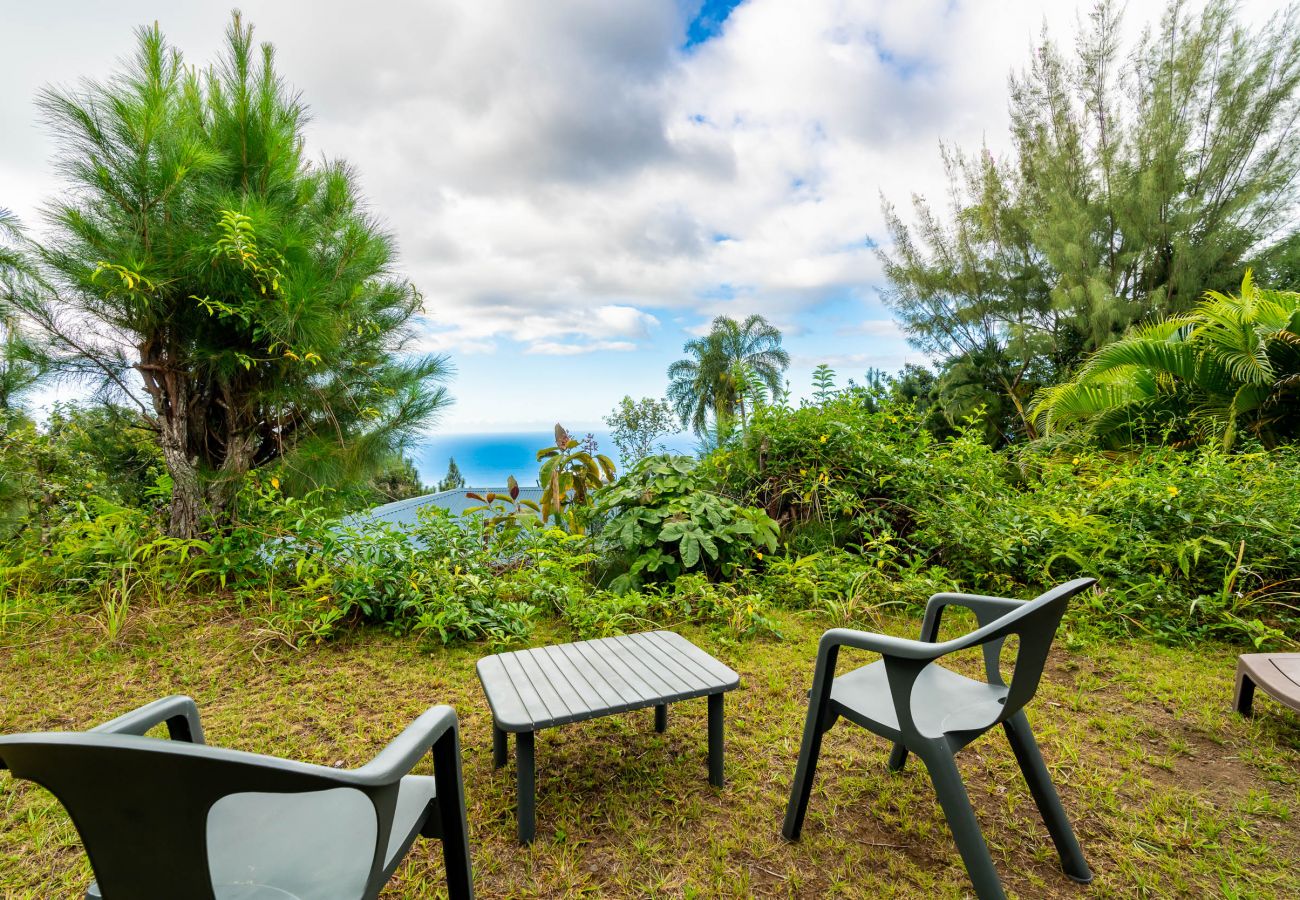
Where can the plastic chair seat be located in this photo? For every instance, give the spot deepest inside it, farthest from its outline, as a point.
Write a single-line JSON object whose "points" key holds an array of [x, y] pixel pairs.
{"points": [[942, 701], [290, 829], [414, 796]]}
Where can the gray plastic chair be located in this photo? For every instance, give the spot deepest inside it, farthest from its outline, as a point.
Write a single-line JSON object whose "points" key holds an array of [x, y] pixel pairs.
{"points": [[175, 818], [934, 712]]}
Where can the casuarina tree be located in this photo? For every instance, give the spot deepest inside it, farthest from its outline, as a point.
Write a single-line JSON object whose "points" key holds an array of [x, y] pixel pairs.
{"points": [[19, 371], [1140, 176], [240, 295]]}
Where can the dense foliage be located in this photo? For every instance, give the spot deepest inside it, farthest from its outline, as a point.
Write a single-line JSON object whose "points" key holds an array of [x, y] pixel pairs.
{"points": [[1186, 544], [840, 507], [666, 520]]}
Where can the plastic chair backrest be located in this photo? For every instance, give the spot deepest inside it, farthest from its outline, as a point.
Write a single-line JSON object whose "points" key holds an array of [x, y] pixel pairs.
{"points": [[144, 809], [1035, 624]]}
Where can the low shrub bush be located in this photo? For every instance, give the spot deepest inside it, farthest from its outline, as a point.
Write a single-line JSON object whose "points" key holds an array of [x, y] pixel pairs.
{"points": [[665, 521], [1188, 544]]}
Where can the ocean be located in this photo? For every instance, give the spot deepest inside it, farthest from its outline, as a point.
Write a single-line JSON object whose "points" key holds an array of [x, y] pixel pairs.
{"points": [[487, 459]]}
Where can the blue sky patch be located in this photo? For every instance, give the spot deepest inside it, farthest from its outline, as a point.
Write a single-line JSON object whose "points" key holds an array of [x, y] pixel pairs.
{"points": [[708, 21]]}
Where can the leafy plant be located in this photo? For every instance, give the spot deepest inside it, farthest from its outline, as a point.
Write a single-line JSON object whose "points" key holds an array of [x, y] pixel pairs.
{"points": [[570, 472], [506, 510], [1230, 366], [666, 521]]}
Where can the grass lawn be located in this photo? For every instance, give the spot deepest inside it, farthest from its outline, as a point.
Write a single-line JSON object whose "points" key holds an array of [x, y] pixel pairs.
{"points": [[1171, 793]]}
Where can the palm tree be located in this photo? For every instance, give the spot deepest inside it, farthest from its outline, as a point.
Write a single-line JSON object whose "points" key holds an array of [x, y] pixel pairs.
{"points": [[714, 376], [1231, 363]]}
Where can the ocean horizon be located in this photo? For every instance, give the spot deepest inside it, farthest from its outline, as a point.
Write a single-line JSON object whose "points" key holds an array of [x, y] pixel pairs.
{"points": [[487, 459]]}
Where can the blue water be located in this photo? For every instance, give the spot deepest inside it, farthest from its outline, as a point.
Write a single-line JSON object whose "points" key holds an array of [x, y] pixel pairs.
{"points": [[486, 460]]}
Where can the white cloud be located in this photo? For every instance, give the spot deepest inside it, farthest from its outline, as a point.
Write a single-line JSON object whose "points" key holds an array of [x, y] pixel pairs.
{"points": [[540, 158], [557, 173], [851, 363], [556, 348]]}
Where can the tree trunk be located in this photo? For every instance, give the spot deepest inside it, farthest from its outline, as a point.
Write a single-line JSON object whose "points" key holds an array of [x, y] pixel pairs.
{"points": [[207, 442], [187, 491], [240, 450], [169, 391]]}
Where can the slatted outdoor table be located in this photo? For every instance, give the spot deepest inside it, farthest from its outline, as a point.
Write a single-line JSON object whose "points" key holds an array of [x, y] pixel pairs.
{"points": [[543, 687]]}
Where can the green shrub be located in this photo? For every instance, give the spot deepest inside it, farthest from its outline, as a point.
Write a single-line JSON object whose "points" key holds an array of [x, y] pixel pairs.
{"points": [[1187, 545], [832, 474], [665, 522]]}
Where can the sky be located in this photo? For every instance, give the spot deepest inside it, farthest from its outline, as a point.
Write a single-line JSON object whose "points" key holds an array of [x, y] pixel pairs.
{"points": [[578, 186]]}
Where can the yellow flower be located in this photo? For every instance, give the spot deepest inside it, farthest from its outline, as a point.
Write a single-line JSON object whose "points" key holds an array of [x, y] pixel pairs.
{"points": [[823, 438], [803, 471], [758, 553], [275, 483], [1173, 491], [1075, 461]]}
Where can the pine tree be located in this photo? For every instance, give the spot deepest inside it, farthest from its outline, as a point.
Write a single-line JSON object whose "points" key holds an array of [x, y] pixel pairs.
{"points": [[20, 369], [249, 289], [453, 479]]}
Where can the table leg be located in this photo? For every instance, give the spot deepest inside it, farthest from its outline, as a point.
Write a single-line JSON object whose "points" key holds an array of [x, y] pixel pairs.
{"points": [[715, 739], [661, 717], [498, 747], [526, 768]]}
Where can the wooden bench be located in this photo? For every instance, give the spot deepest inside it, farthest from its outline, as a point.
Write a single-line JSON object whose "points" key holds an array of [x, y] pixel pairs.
{"points": [[1278, 674]]}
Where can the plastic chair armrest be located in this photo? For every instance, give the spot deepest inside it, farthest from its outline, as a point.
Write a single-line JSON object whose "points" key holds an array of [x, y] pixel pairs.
{"points": [[405, 750], [885, 645], [986, 609], [179, 712]]}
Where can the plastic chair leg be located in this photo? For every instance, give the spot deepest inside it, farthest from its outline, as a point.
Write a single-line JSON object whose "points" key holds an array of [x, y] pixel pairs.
{"points": [[897, 758], [965, 827], [450, 791], [1031, 762], [801, 790]]}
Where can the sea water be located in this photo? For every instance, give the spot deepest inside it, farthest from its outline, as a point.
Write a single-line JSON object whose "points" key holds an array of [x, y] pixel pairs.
{"points": [[487, 459]]}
